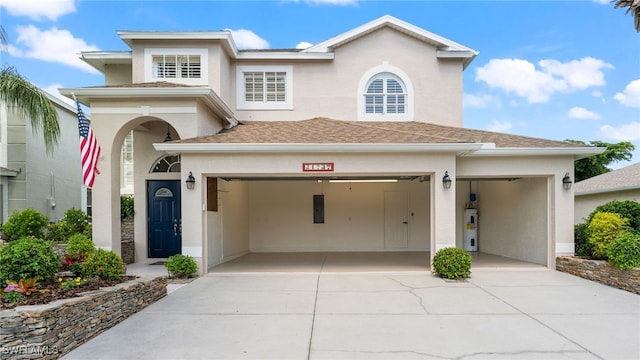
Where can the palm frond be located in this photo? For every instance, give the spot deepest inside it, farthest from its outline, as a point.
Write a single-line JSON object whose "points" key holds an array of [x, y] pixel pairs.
{"points": [[633, 7], [29, 101]]}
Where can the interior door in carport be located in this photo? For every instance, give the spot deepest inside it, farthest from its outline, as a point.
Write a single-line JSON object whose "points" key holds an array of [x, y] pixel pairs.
{"points": [[165, 219], [396, 222]]}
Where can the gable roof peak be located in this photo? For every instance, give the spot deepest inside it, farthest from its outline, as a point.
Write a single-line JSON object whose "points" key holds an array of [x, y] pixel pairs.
{"points": [[446, 48]]}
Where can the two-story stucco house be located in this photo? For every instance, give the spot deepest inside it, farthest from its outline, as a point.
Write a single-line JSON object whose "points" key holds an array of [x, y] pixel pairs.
{"points": [[347, 146], [31, 178]]}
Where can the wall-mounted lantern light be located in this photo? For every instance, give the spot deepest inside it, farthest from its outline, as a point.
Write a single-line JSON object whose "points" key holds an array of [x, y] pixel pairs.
{"points": [[191, 181], [446, 180], [566, 181]]}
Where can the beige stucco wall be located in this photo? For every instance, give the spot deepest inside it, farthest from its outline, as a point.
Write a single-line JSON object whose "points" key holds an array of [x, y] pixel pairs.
{"points": [[117, 74], [111, 121], [330, 88], [585, 204]]}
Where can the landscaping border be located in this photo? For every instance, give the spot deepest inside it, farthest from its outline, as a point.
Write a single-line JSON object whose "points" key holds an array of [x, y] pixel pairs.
{"points": [[51, 330], [600, 271]]}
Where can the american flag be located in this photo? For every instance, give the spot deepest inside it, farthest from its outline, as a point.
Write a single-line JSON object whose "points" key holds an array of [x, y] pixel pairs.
{"points": [[89, 149]]}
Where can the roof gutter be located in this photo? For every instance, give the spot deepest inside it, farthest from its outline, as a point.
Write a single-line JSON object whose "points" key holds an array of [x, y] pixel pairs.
{"points": [[457, 148], [591, 192], [577, 152]]}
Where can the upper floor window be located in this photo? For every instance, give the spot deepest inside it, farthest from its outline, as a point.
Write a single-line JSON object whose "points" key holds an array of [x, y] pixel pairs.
{"points": [[385, 94], [264, 87], [176, 66], [185, 66]]}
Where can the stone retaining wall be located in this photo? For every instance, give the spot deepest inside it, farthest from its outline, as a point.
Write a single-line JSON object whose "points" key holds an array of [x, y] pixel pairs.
{"points": [[127, 241], [52, 330], [601, 271]]}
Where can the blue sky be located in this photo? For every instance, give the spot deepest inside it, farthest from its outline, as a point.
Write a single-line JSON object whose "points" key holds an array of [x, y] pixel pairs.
{"points": [[551, 69]]}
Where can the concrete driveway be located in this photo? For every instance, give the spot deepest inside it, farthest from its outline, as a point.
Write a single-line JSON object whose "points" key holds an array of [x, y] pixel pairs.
{"points": [[497, 314]]}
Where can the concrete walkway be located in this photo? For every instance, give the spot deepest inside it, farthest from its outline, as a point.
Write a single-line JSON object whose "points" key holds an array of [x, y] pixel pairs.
{"points": [[497, 314]]}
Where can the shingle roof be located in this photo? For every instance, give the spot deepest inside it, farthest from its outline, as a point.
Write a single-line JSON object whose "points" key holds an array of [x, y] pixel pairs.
{"points": [[324, 130], [624, 178]]}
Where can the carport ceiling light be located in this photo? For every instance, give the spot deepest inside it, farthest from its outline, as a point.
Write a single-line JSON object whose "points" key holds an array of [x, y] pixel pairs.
{"points": [[364, 181]]}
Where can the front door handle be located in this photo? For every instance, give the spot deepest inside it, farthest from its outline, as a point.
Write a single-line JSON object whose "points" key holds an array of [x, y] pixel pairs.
{"points": [[405, 222]]}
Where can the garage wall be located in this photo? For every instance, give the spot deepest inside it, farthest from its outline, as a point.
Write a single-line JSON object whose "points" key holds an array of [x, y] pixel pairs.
{"points": [[234, 201], [281, 216], [513, 219]]}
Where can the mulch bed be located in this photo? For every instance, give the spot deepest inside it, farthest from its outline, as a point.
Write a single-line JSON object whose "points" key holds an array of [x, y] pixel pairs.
{"points": [[56, 292]]}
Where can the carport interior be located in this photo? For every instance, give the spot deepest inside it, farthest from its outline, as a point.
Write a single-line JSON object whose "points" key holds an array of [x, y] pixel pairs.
{"points": [[380, 216]]}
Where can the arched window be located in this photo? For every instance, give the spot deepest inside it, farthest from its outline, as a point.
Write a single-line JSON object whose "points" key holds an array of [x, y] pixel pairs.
{"points": [[166, 164], [385, 94]]}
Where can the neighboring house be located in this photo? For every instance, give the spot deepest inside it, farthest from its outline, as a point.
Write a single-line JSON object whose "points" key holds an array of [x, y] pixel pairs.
{"points": [[31, 178], [343, 146], [621, 184]]}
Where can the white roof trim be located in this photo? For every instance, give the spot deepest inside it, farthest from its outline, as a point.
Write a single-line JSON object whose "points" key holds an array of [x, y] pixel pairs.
{"points": [[209, 96], [283, 55], [280, 148], [451, 48], [224, 35], [578, 152], [98, 59]]}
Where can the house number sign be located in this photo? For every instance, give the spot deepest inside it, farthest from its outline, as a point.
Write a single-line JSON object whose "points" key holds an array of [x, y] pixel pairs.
{"points": [[311, 167]]}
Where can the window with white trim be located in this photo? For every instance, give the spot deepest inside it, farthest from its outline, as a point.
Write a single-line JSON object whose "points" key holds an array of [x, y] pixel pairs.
{"points": [[264, 87], [385, 94], [176, 66], [184, 66]]}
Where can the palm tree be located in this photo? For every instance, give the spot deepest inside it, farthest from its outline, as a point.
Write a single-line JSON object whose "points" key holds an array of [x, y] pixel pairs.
{"points": [[633, 7], [29, 101]]}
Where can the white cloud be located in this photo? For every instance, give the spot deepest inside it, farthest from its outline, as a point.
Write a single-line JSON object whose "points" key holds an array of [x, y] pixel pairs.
{"points": [[578, 74], [582, 113], [630, 96], [51, 45], [499, 126], [537, 85], [624, 132], [603, 2], [53, 90], [480, 101], [247, 39], [39, 9], [303, 45]]}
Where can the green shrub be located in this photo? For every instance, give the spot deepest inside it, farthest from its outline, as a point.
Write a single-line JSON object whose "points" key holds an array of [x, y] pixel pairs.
{"points": [[103, 264], [603, 229], [581, 239], [75, 221], [126, 207], [624, 251], [628, 209], [80, 244], [26, 258], [56, 232], [452, 263], [27, 222], [181, 266]]}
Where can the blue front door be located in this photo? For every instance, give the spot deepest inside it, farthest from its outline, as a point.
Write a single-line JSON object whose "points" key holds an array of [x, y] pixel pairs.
{"points": [[165, 219]]}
